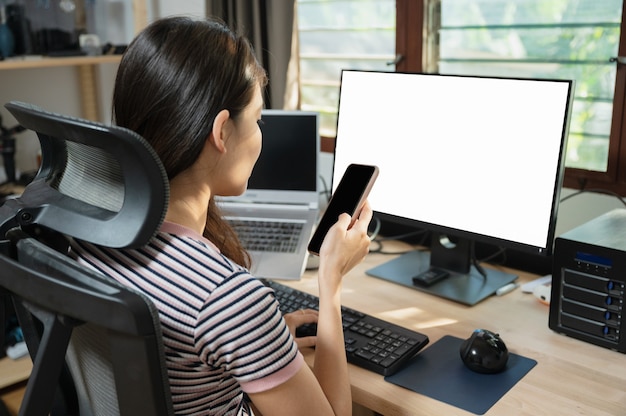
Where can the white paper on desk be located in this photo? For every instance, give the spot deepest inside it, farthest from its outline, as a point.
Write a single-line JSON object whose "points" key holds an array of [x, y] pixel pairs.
{"points": [[529, 287]]}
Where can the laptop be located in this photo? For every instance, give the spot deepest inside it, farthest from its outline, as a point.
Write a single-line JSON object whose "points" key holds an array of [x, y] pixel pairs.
{"points": [[282, 193]]}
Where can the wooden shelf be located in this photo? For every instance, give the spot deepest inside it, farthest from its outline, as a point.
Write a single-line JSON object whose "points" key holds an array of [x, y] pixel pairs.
{"points": [[85, 65], [46, 62], [14, 371]]}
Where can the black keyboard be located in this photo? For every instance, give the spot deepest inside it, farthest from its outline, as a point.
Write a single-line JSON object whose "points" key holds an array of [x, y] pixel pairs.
{"points": [[371, 343]]}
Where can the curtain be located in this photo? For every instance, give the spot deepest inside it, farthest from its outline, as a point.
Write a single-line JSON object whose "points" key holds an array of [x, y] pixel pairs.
{"points": [[269, 24]]}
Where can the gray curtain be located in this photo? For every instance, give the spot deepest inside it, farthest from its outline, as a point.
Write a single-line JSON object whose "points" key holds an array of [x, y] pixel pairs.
{"points": [[269, 24]]}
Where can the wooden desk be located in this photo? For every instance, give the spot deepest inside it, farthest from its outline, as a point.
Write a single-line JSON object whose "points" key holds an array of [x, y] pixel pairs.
{"points": [[571, 376]]}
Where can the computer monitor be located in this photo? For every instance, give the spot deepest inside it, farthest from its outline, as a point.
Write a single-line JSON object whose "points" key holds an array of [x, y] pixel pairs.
{"points": [[469, 158]]}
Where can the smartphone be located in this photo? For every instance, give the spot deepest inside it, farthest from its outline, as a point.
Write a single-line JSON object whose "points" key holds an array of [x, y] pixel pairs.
{"points": [[349, 197]]}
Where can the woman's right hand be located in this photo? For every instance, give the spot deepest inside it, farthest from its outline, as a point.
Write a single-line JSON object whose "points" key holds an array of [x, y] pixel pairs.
{"points": [[298, 318], [344, 247]]}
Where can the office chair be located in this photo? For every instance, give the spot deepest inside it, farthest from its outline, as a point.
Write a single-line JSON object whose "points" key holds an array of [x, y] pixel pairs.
{"points": [[96, 345]]}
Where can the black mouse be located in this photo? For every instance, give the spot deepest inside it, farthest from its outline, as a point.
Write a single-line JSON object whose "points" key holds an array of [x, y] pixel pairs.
{"points": [[484, 352]]}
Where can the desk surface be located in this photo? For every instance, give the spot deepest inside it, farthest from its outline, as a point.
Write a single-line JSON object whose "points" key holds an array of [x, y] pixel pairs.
{"points": [[14, 371], [571, 376]]}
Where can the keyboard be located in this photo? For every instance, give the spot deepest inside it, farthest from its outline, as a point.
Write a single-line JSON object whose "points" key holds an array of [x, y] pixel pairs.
{"points": [[371, 343], [262, 235]]}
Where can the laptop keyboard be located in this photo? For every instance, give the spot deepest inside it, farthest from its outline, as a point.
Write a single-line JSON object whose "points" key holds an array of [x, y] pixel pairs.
{"points": [[263, 235], [370, 343]]}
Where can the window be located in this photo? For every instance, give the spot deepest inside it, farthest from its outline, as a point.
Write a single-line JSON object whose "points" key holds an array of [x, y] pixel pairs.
{"points": [[574, 39], [337, 34]]}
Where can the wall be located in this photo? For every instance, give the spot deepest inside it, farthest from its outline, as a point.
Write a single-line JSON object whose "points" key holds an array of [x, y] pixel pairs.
{"points": [[51, 88], [171, 7], [56, 89], [582, 208]]}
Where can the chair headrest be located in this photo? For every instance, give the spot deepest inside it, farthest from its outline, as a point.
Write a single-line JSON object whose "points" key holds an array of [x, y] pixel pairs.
{"points": [[98, 183]]}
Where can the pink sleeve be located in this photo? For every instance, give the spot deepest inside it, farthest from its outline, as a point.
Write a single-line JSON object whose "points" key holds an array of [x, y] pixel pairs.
{"points": [[275, 379]]}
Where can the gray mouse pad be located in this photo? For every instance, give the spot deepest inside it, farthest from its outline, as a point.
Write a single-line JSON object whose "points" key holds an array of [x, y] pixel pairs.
{"points": [[439, 373]]}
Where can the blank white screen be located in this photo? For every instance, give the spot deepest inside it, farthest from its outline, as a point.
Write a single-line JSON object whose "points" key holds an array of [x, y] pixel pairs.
{"points": [[476, 154]]}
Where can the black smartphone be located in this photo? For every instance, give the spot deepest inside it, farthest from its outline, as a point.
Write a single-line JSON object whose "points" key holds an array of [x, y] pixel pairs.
{"points": [[349, 196]]}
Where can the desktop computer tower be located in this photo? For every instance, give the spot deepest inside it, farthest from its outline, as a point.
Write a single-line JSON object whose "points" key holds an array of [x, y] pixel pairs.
{"points": [[588, 281]]}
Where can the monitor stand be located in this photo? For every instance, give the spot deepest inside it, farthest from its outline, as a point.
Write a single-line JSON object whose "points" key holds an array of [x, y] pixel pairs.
{"points": [[465, 283]]}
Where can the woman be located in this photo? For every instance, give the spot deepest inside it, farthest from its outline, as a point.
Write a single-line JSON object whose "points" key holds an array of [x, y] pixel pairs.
{"points": [[193, 89]]}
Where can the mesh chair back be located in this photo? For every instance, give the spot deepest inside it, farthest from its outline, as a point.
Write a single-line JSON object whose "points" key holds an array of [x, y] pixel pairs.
{"points": [[98, 183]]}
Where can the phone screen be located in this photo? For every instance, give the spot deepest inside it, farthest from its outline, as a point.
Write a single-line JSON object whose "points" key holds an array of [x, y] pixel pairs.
{"points": [[348, 197]]}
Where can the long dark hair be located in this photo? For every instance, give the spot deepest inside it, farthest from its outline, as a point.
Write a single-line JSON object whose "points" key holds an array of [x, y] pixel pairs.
{"points": [[173, 80]]}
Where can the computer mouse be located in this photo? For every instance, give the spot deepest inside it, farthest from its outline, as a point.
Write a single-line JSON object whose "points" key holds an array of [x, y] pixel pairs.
{"points": [[484, 352]]}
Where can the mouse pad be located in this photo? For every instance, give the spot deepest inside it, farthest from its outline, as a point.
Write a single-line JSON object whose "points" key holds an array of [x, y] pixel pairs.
{"points": [[439, 373]]}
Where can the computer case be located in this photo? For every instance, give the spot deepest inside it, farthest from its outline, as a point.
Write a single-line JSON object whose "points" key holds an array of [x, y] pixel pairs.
{"points": [[588, 279]]}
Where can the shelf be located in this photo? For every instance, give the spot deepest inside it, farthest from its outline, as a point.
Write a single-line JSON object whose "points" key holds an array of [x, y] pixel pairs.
{"points": [[46, 62], [14, 371], [85, 65]]}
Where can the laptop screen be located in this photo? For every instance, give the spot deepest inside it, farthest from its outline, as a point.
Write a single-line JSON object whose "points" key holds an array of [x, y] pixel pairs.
{"points": [[288, 158]]}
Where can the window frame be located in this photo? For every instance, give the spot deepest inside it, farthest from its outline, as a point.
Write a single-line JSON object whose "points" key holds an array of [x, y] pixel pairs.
{"points": [[410, 28]]}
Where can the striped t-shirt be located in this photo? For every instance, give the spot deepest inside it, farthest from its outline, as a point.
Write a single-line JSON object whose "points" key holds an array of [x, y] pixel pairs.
{"points": [[222, 330]]}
